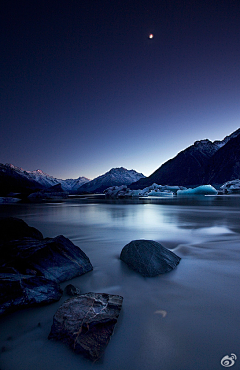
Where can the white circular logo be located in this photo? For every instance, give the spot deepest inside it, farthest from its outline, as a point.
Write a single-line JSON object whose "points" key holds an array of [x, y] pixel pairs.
{"points": [[228, 361]]}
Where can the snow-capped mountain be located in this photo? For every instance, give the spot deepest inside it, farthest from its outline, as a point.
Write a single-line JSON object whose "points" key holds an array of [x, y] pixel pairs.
{"points": [[114, 177], [204, 162], [45, 181]]}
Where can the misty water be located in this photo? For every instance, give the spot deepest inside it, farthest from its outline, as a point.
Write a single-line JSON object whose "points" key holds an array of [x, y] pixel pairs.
{"points": [[183, 320]]}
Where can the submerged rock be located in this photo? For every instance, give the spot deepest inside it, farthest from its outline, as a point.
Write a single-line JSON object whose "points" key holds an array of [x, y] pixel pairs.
{"points": [[149, 258], [86, 322], [18, 291]]}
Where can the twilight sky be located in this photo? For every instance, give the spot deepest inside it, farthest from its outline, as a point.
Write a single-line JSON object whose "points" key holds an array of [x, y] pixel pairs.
{"points": [[84, 89]]}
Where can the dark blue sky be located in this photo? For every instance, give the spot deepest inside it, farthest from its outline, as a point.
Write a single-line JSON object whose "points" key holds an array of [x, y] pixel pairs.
{"points": [[84, 89]]}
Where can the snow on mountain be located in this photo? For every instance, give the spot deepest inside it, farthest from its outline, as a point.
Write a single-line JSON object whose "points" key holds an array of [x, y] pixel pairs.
{"points": [[226, 139], [114, 177], [206, 147], [47, 181]]}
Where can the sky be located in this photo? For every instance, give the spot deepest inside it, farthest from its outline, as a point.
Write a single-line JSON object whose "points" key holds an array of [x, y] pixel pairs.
{"points": [[84, 89]]}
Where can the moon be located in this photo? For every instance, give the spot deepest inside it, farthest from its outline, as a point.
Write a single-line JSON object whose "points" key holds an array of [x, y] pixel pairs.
{"points": [[150, 36]]}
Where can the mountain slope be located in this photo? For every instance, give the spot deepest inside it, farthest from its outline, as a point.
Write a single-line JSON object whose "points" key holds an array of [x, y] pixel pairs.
{"points": [[202, 163], [16, 182], [114, 177], [224, 165]]}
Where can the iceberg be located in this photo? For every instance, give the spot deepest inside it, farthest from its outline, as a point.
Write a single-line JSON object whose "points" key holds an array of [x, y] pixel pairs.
{"points": [[155, 193], [231, 187], [200, 190]]}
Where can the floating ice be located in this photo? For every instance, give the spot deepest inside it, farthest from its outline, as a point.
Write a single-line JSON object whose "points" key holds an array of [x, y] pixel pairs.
{"points": [[155, 193], [231, 186], [200, 190]]}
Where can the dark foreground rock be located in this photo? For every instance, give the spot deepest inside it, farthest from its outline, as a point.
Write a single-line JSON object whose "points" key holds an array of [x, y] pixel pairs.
{"points": [[56, 259], [149, 258], [31, 267], [18, 291], [86, 322], [15, 228]]}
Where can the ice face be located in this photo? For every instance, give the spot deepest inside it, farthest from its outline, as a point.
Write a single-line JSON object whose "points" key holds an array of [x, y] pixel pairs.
{"points": [[200, 190]]}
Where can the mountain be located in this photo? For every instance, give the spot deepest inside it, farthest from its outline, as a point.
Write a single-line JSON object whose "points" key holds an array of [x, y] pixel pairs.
{"points": [[70, 185], [114, 177], [46, 181], [12, 181], [203, 162], [225, 164], [16, 179]]}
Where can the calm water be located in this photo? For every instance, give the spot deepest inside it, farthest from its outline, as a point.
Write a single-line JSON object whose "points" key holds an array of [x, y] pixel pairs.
{"points": [[184, 320]]}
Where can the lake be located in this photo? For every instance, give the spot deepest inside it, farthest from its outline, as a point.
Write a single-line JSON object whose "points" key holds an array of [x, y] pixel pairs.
{"points": [[184, 320]]}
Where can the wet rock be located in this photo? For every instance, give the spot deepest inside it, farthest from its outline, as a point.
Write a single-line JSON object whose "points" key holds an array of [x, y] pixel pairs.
{"points": [[15, 228], [71, 290], [149, 258], [56, 259], [18, 291], [86, 322]]}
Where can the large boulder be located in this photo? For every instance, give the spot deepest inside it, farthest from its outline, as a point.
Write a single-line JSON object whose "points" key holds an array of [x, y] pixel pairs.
{"points": [[86, 322], [56, 259], [18, 291], [31, 267], [149, 258], [15, 228]]}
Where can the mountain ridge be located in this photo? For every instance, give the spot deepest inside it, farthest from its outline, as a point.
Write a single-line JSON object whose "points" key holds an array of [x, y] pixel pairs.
{"points": [[194, 165], [114, 177]]}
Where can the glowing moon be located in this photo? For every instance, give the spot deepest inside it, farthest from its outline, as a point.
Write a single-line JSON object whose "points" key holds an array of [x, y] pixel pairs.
{"points": [[150, 36]]}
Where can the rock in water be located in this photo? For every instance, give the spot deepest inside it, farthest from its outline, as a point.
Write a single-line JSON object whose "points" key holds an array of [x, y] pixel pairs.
{"points": [[86, 322], [149, 258], [15, 228], [72, 290], [56, 259], [18, 291]]}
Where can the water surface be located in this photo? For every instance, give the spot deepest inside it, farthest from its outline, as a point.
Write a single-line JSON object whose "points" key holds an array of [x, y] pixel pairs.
{"points": [[186, 319]]}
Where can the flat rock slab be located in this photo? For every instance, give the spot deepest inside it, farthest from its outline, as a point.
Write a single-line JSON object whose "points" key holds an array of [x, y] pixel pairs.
{"points": [[56, 259], [149, 258], [86, 322], [18, 291]]}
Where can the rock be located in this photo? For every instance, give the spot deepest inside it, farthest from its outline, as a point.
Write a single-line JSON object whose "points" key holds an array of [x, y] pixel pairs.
{"points": [[86, 322], [72, 290], [15, 228], [18, 291], [149, 258], [56, 259]]}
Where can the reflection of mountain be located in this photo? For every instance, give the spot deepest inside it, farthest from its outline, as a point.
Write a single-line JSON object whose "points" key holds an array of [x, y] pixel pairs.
{"points": [[114, 177], [203, 162]]}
